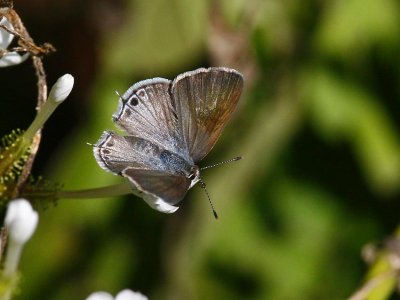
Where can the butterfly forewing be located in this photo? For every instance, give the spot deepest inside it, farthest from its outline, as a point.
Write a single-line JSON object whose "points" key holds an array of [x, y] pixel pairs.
{"points": [[205, 100], [169, 187], [146, 111]]}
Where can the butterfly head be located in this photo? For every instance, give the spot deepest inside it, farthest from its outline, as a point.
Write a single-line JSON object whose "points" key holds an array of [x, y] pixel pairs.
{"points": [[194, 175]]}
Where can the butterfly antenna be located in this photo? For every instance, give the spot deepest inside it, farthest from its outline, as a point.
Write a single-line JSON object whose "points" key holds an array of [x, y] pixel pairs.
{"points": [[223, 162], [203, 186]]}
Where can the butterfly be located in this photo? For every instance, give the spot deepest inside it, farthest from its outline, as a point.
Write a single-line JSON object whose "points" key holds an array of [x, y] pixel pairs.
{"points": [[170, 127]]}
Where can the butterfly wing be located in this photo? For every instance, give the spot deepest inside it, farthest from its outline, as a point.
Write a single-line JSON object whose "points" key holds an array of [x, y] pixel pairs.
{"points": [[204, 100], [170, 188], [115, 153], [170, 126], [146, 111]]}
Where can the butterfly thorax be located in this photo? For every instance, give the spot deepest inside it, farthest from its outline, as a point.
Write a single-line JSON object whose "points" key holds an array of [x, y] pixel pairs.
{"points": [[178, 165], [175, 163]]}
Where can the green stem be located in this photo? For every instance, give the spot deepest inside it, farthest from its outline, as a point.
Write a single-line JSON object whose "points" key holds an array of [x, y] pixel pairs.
{"points": [[14, 250], [41, 118], [108, 191]]}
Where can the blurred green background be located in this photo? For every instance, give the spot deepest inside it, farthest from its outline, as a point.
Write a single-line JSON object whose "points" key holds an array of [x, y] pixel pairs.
{"points": [[318, 125]]}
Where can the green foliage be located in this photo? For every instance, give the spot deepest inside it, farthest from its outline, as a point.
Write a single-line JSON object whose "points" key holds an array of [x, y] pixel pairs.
{"points": [[344, 111]]}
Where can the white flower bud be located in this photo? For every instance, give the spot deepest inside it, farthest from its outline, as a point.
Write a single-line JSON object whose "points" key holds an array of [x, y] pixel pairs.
{"points": [[21, 220], [130, 295], [61, 89], [100, 296]]}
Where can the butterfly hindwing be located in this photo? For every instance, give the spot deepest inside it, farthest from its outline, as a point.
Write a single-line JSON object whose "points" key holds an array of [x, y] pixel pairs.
{"points": [[171, 188], [114, 153]]}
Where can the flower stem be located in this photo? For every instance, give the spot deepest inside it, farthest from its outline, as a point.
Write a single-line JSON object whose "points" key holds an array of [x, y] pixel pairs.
{"points": [[108, 191], [41, 118], [14, 250], [12, 258]]}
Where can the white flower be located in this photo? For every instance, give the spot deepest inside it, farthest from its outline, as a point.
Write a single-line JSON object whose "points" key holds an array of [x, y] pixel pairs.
{"points": [[100, 296], [122, 295], [8, 58], [130, 295], [61, 89], [5, 37], [21, 220]]}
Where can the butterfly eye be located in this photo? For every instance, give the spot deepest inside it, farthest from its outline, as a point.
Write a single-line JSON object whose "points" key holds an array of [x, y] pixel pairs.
{"points": [[133, 101]]}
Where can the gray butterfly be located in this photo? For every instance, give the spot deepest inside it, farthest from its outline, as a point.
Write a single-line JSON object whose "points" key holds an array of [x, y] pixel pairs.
{"points": [[171, 126]]}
